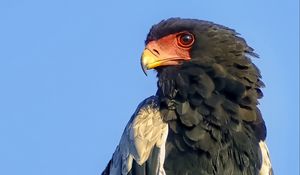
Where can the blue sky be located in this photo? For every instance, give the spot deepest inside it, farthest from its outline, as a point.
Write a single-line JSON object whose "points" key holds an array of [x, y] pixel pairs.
{"points": [[70, 76]]}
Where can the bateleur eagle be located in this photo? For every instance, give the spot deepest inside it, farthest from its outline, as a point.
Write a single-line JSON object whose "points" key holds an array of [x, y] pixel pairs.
{"points": [[204, 118]]}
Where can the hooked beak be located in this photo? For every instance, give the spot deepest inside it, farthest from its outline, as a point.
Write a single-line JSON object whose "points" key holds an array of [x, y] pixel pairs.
{"points": [[149, 60], [143, 66]]}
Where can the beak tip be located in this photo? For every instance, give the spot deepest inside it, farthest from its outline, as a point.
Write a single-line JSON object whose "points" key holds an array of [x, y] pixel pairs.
{"points": [[144, 68]]}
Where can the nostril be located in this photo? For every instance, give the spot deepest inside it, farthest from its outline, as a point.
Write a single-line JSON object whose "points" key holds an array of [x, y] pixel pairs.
{"points": [[156, 51]]}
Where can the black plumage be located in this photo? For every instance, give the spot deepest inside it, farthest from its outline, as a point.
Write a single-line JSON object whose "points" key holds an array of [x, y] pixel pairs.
{"points": [[210, 103], [215, 98]]}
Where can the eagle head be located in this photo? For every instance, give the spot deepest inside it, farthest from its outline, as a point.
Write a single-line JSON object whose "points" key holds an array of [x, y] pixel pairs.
{"points": [[207, 65]]}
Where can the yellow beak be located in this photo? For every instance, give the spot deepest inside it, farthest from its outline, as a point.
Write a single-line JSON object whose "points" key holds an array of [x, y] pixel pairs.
{"points": [[149, 60]]}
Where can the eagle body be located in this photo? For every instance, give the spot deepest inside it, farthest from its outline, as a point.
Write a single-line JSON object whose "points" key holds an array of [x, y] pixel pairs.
{"points": [[204, 118]]}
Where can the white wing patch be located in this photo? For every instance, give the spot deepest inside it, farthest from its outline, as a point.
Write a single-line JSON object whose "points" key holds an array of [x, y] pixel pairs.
{"points": [[145, 130], [266, 168]]}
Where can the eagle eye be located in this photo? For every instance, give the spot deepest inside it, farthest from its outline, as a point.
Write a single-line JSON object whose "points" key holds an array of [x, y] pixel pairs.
{"points": [[185, 39]]}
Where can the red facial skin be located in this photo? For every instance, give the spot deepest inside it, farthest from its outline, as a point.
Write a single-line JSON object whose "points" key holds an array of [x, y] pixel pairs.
{"points": [[171, 49]]}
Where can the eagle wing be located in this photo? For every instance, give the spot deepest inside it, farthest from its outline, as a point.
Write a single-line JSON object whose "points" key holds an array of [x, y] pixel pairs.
{"points": [[142, 146]]}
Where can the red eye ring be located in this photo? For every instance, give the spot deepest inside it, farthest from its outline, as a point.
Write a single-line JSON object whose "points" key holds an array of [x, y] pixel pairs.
{"points": [[185, 39]]}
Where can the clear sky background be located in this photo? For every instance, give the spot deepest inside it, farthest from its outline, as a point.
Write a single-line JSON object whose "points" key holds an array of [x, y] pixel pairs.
{"points": [[70, 76]]}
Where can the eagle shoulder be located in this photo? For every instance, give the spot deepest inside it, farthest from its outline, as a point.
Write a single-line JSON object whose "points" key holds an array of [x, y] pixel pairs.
{"points": [[144, 132]]}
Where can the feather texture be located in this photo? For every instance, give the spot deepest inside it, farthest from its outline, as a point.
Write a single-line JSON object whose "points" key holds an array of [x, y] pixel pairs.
{"points": [[266, 168], [143, 140], [217, 126]]}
